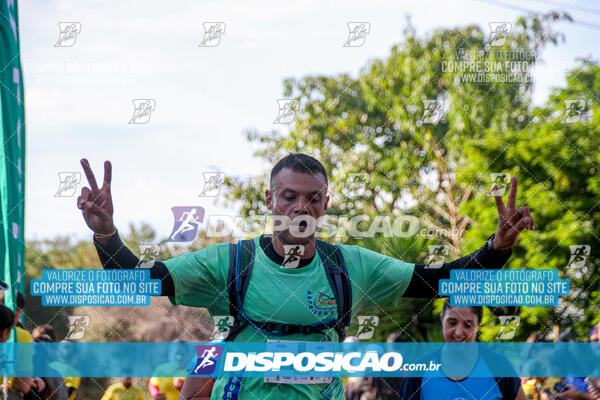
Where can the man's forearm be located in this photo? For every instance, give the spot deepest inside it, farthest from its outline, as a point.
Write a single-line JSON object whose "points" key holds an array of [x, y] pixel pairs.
{"points": [[114, 254], [424, 281]]}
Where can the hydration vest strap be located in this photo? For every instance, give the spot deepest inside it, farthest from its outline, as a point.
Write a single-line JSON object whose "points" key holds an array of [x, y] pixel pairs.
{"points": [[241, 261], [336, 272]]}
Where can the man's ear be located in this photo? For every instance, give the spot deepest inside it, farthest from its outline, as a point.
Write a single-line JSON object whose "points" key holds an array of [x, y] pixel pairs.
{"points": [[326, 203], [269, 199]]}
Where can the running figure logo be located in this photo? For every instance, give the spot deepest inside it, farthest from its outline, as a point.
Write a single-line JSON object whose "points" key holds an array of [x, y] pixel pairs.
{"points": [[433, 111], [357, 181], [208, 356], [573, 111], [579, 253], [499, 31], [501, 181], [293, 252], [508, 327], [437, 256], [148, 255], [212, 34], [366, 326], [68, 34], [212, 183], [68, 184], [287, 111], [357, 34], [142, 110], [77, 326], [187, 222], [223, 324]]}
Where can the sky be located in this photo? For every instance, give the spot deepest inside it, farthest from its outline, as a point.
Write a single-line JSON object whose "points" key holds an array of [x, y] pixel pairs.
{"points": [[79, 99]]}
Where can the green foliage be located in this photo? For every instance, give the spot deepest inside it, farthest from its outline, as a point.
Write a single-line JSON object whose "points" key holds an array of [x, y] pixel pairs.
{"points": [[557, 166], [371, 124]]}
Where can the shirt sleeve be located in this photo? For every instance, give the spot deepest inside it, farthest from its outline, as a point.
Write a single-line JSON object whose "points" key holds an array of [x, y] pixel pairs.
{"points": [[200, 278], [376, 278]]}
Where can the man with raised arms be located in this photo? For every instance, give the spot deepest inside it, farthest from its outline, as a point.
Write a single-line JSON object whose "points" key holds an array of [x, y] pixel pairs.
{"points": [[280, 300]]}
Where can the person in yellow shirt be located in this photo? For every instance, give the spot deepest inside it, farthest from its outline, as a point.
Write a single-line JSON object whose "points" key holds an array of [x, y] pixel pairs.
{"points": [[25, 360], [168, 378], [124, 390], [72, 383], [25, 363], [64, 367], [165, 388]]}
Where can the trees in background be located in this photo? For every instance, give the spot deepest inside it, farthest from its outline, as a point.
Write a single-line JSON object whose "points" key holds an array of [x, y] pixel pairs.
{"points": [[436, 164]]}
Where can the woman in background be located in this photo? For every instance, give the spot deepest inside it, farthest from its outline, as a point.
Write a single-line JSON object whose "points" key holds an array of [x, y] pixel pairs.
{"points": [[461, 325]]}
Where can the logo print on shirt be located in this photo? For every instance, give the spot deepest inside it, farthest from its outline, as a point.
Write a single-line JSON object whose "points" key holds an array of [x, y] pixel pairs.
{"points": [[321, 304]]}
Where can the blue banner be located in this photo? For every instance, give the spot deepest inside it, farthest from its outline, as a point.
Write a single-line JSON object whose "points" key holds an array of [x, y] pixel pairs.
{"points": [[303, 359], [96, 287], [510, 287]]}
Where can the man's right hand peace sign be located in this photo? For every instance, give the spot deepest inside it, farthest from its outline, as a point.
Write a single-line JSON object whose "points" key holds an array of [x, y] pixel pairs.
{"points": [[96, 203]]}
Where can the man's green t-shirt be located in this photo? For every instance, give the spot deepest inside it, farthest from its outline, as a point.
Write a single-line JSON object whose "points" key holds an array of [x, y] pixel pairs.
{"points": [[294, 296]]}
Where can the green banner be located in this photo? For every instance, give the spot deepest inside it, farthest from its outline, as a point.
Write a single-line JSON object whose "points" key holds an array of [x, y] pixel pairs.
{"points": [[12, 155]]}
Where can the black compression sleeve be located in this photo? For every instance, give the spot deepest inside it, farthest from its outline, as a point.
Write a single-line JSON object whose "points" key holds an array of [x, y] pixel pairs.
{"points": [[115, 255], [160, 271], [424, 281]]}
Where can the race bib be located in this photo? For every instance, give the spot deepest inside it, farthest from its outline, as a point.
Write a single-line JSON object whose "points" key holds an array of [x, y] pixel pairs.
{"points": [[295, 347]]}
